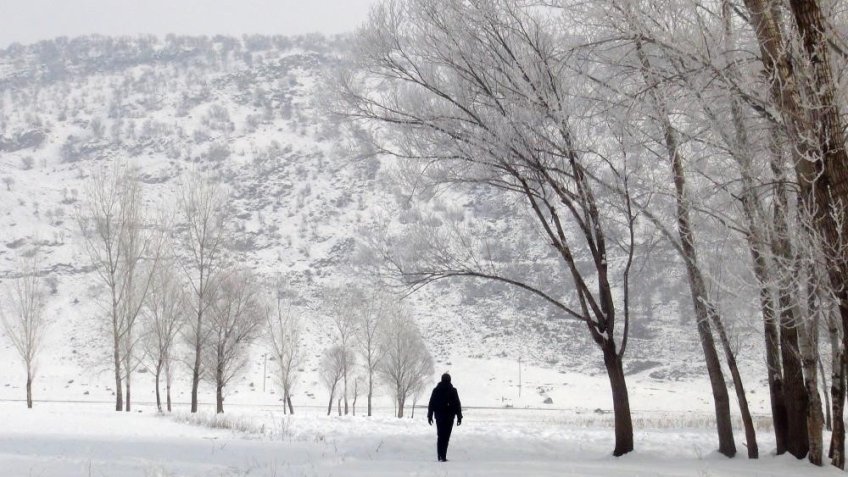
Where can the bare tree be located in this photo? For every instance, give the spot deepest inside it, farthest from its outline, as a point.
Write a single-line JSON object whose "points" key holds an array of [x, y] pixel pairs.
{"points": [[355, 392], [284, 334], [234, 322], [165, 312], [332, 370], [419, 390], [407, 362], [370, 315], [478, 95], [25, 324], [343, 305], [124, 252], [203, 206]]}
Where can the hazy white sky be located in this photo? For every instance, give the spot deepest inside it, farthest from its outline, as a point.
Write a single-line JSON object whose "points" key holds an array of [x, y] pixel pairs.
{"points": [[26, 21]]}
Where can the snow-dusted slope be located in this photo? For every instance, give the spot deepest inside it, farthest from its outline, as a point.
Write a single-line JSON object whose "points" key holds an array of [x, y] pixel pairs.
{"points": [[250, 112]]}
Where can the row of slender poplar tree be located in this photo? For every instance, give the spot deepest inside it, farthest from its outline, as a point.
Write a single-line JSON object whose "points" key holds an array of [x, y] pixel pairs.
{"points": [[172, 290], [168, 285]]}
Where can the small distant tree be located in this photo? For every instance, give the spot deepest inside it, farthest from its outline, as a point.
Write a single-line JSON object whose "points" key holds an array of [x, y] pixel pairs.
{"points": [[124, 251], [332, 370], [355, 391], [418, 390], [370, 315], [407, 362], [234, 323], [343, 306], [203, 206], [284, 335], [165, 313], [25, 323]]}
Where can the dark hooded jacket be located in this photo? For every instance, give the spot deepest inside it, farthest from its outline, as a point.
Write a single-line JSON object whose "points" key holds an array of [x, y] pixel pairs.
{"points": [[444, 402]]}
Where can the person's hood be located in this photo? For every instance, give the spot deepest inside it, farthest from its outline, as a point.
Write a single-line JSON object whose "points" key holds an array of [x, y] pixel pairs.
{"points": [[445, 385]]}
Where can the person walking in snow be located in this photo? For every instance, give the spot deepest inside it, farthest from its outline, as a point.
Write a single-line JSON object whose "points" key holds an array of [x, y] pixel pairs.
{"points": [[444, 404]]}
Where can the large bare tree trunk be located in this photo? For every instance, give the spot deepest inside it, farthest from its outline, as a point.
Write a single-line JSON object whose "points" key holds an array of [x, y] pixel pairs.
{"points": [[620, 402], [815, 418], [795, 392], [809, 347], [291, 408]]}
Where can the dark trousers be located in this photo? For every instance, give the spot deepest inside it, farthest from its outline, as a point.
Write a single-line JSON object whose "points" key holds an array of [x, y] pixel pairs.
{"points": [[444, 426]]}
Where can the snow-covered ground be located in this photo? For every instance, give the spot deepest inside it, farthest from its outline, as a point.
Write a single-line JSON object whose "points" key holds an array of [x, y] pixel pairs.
{"points": [[63, 439]]}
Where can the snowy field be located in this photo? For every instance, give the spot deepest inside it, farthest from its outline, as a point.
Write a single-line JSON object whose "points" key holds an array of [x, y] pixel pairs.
{"points": [[87, 439]]}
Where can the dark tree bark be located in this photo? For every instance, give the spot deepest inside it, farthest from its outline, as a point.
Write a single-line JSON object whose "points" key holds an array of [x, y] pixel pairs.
{"points": [[195, 370], [29, 391], [158, 396], [809, 347], [744, 411], [794, 389], [797, 442], [620, 402], [168, 395], [119, 396], [332, 395], [370, 391], [127, 400], [168, 383], [219, 389]]}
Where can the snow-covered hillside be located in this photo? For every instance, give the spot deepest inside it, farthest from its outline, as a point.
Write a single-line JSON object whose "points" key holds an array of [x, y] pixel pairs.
{"points": [[307, 189]]}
